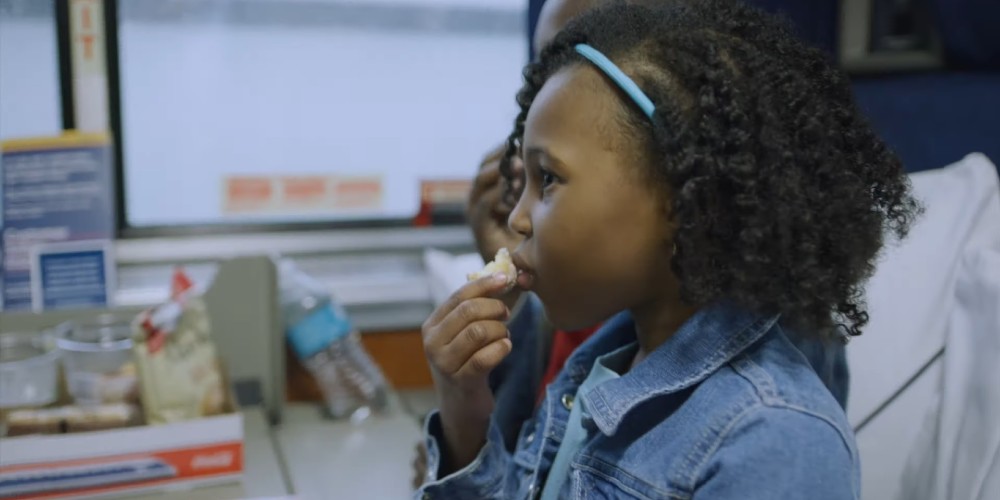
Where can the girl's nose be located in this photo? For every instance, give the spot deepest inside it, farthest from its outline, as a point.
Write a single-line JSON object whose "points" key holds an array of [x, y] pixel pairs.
{"points": [[519, 219]]}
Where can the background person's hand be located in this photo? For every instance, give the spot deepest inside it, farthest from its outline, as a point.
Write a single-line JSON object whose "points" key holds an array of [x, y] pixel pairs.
{"points": [[488, 208], [419, 465]]}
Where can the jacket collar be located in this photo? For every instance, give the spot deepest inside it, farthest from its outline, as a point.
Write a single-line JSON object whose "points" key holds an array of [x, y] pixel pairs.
{"points": [[707, 341]]}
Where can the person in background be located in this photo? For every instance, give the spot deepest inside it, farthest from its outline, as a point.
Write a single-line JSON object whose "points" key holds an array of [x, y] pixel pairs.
{"points": [[705, 180], [540, 351]]}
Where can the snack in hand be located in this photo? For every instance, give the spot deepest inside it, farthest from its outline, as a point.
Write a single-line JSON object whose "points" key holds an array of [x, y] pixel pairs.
{"points": [[501, 264]]}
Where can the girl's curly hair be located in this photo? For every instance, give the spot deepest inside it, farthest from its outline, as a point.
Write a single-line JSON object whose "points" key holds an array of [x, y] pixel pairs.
{"points": [[780, 191]]}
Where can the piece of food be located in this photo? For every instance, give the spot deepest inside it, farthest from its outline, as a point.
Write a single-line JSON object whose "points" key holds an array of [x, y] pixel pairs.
{"points": [[501, 264], [72, 419]]}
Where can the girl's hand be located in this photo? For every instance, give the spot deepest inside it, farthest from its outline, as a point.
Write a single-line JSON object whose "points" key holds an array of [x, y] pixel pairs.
{"points": [[464, 340], [466, 337]]}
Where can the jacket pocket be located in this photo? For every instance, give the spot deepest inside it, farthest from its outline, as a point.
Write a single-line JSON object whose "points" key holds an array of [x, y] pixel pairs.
{"points": [[597, 479]]}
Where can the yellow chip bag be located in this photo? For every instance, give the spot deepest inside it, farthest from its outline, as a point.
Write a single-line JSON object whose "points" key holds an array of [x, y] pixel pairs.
{"points": [[179, 375]]}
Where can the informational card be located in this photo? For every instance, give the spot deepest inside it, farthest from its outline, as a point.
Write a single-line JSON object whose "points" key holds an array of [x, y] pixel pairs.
{"points": [[73, 275], [55, 189]]}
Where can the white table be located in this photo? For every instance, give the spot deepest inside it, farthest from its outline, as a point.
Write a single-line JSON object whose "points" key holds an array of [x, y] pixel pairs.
{"points": [[327, 459]]}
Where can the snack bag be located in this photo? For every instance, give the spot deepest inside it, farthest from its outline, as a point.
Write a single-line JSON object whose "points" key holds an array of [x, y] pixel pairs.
{"points": [[179, 374]]}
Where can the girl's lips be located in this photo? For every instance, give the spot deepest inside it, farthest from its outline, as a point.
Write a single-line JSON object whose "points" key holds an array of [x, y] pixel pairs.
{"points": [[525, 276]]}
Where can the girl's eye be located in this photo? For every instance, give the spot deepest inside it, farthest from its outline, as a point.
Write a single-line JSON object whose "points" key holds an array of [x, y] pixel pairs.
{"points": [[547, 179]]}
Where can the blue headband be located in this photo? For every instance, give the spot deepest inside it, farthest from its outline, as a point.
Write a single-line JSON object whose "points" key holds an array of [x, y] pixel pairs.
{"points": [[620, 78]]}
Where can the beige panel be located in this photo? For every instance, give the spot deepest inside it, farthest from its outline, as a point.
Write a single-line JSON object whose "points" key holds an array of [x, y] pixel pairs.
{"points": [[246, 324]]}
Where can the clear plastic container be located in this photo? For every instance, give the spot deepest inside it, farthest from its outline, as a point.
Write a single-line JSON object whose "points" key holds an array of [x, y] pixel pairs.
{"points": [[28, 370], [97, 358]]}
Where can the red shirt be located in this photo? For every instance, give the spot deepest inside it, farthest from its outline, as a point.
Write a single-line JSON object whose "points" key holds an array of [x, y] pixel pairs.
{"points": [[563, 345]]}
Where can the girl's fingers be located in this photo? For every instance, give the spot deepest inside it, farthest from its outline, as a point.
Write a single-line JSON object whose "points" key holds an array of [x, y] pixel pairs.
{"points": [[486, 359], [466, 344], [488, 286], [471, 312]]}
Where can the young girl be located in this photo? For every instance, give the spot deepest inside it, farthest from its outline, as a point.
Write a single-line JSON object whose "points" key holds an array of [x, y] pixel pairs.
{"points": [[701, 170]]}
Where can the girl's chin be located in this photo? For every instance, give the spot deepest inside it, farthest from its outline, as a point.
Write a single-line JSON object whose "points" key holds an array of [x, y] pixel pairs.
{"points": [[567, 320]]}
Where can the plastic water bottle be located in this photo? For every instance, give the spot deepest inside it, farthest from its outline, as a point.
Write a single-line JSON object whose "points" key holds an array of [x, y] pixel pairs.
{"points": [[321, 334]]}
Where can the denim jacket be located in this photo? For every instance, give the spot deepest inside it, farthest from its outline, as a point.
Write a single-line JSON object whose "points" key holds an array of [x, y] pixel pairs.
{"points": [[727, 408], [515, 383]]}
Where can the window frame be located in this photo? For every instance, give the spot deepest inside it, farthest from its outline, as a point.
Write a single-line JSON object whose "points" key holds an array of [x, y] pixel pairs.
{"points": [[447, 217]]}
